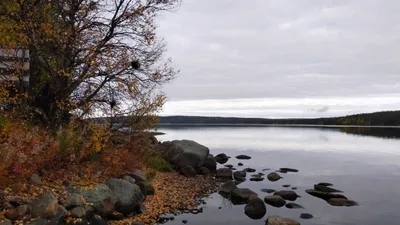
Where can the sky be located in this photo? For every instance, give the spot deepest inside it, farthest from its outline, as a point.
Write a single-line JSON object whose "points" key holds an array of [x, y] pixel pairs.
{"points": [[283, 58]]}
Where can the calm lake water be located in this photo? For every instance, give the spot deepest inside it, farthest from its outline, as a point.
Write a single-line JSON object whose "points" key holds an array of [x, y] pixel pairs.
{"points": [[366, 168]]}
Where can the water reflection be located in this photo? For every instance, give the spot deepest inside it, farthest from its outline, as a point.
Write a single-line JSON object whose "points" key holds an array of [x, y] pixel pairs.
{"points": [[366, 168]]}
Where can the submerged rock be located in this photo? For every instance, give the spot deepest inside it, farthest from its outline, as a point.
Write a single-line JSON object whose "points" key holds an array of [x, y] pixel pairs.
{"points": [[269, 191], [293, 206], [324, 195], [342, 202], [276, 220], [224, 174], [306, 216], [257, 179], [243, 157], [288, 195], [294, 188], [229, 166], [250, 170], [241, 195], [221, 158], [275, 200], [286, 185], [273, 176], [325, 184], [227, 187], [255, 208], [240, 164], [285, 170], [325, 188]]}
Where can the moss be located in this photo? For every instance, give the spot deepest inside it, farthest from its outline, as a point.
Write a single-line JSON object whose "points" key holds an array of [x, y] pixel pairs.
{"points": [[151, 174], [158, 163]]}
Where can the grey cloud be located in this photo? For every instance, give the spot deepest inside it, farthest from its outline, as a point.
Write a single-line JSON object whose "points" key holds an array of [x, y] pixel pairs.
{"points": [[230, 49]]}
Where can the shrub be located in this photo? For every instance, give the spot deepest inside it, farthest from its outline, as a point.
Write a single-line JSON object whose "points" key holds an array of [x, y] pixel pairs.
{"points": [[158, 163], [151, 174]]}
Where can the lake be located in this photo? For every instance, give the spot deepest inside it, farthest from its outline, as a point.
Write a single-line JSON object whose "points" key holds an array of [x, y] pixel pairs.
{"points": [[365, 167]]}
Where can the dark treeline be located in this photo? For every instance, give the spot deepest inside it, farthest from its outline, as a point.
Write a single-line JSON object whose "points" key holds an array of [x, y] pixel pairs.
{"points": [[387, 118]]}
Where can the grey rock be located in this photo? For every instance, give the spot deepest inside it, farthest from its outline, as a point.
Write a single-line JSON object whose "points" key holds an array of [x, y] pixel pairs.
{"points": [[17, 213], [276, 220], [97, 220], [221, 158], [269, 191], [239, 175], [288, 195], [188, 171], [128, 195], [324, 195], [146, 188], [224, 174], [182, 153], [35, 180], [324, 188], [255, 208], [73, 200], [101, 197], [325, 184], [273, 176], [275, 200], [39, 221], [293, 206], [58, 219], [306, 216], [6, 222], [204, 171], [45, 206], [138, 176], [210, 163], [241, 195], [227, 187], [243, 157], [250, 170], [78, 212], [129, 179], [285, 170], [62, 210], [342, 202]]}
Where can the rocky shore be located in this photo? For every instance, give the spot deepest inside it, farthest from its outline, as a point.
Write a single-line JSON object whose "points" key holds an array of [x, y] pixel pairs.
{"points": [[133, 198]]}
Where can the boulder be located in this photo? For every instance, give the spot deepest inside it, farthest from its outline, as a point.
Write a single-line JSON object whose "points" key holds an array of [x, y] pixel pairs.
{"points": [[78, 212], [204, 171], [97, 220], [325, 184], [39, 221], [342, 202], [269, 191], [46, 206], [59, 218], [275, 200], [292, 205], [224, 174], [285, 170], [137, 175], [324, 195], [129, 179], [17, 213], [241, 195], [146, 188], [227, 187], [324, 188], [210, 163], [128, 195], [288, 195], [250, 170], [273, 176], [35, 180], [188, 171], [255, 208], [276, 220], [101, 197], [221, 158], [243, 157], [182, 153], [239, 175], [73, 200], [306, 216]]}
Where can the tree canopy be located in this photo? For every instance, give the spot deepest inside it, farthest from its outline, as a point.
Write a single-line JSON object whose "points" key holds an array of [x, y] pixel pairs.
{"points": [[88, 57]]}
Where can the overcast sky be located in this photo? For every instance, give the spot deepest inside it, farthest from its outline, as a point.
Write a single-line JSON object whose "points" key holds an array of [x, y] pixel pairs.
{"points": [[283, 58]]}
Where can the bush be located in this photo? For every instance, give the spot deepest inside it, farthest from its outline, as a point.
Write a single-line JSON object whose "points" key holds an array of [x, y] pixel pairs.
{"points": [[158, 163], [151, 174]]}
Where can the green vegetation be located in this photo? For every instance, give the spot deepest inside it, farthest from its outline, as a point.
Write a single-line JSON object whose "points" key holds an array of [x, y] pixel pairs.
{"points": [[158, 163]]}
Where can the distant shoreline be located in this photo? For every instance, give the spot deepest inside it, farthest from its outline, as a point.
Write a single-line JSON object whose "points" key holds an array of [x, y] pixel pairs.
{"points": [[274, 125]]}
